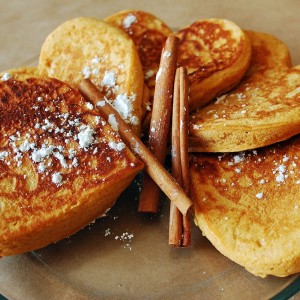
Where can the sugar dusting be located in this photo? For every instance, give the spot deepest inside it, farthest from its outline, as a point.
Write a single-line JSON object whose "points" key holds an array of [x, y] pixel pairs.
{"points": [[122, 102], [6, 76], [129, 20], [252, 172], [43, 143]]}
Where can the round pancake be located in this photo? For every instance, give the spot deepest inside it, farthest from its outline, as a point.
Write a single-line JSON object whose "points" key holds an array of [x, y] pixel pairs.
{"points": [[61, 165], [217, 54], [89, 48], [247, 204], [263, 109]]}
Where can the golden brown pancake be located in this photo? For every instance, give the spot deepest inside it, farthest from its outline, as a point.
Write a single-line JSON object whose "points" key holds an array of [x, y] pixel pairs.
{"points": [[248, 205], [217, 54], [61, 165], [89, 48], [263, 109], [149, 35]]}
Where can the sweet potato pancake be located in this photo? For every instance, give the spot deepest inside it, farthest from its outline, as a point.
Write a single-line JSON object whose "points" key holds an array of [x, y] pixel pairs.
{"points": [[247, 204], [89, 48], [61, 164], [263, 109], [217, 54], [149, 35]]}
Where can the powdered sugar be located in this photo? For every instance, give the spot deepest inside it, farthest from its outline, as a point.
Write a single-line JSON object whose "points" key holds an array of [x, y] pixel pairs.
{"points": [[57, 178], [6, 76], [129, 20], [3, 155], [167, 54], [259, 195], [117, 146], [109, 79], [61, 140], [39, 154], [89, 105], [101, 103], [85, 136], [113, 122], [123, 104]]}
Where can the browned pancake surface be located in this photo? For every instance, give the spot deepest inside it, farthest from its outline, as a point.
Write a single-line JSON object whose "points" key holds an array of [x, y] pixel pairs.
{"points": [[217, 54], [263, 109], [149, 34], [247, 204], [61, 164]]}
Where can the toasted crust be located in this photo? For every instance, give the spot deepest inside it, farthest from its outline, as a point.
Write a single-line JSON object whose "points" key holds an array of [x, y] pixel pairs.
{"points": [[61, 165], [149, 34], [217, 54], [263, 109], [89, 48], [247, 204]]}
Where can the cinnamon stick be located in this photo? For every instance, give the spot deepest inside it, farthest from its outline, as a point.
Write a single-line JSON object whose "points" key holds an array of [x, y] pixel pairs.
{"points": [[152, 166], [160, 121], [175, 220], [184, 156], [179, 225]]}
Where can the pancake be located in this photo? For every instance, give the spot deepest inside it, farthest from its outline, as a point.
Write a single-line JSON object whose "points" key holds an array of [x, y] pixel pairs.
{"points": [[21, 73], [89, 48], [217, 54], [61, 165], [247, 204], [263, 109], [149, 35]]}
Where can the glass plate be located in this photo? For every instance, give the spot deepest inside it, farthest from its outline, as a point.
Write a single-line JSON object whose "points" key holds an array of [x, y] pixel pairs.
{"points": [[126, 255]]}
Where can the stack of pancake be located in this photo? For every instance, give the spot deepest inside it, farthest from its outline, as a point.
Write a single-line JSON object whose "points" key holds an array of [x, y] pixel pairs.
{"points": [[62, 165], [247, 201]]}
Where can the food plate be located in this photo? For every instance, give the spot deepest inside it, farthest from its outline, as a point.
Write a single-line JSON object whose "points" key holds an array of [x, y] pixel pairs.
{"points": [[126, 255]]}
